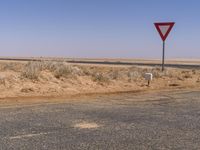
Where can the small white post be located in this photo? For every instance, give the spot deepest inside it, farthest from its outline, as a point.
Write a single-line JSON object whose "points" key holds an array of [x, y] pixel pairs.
{"points": [[148, 77]]}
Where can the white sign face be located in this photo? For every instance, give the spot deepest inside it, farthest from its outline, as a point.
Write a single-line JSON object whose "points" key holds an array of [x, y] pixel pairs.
{"points": [[148, 76], [164, 29]]}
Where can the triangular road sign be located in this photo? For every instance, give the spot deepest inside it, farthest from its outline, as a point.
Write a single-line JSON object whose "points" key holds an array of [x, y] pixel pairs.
{"points": [[164, 29]]}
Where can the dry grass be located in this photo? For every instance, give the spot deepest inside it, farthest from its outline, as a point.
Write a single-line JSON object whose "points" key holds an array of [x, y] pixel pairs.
{"points": [[32, 71], [100, 77], [2, 80], [65, 71], [11, 66], [50, 77], [60, 69]]}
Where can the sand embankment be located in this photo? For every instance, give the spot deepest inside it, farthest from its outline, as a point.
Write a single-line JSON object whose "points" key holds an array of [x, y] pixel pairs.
{"points": [[60, 79]]}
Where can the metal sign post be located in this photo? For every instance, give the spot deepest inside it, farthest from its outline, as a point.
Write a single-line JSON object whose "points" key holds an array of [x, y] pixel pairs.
{"points": [[163, 57], [164, 29]]}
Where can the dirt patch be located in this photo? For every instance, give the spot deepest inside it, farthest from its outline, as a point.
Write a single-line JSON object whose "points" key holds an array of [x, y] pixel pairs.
{"points": [[87, 125]]}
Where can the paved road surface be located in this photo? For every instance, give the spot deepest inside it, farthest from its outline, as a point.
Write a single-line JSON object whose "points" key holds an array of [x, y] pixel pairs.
{"points": [[169, 120], [172, 65], [151, 63]]}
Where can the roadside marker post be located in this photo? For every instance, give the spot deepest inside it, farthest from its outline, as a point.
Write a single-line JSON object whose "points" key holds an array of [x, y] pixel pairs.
{"points": [[164, 29], [148, 77]]}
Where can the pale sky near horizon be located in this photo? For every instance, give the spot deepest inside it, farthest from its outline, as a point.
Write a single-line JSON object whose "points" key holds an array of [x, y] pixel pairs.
{"points": [[98, 28]]}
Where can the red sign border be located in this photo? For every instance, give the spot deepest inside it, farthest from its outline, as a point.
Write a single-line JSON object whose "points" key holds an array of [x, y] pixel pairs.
{"points": [[171, 24]]}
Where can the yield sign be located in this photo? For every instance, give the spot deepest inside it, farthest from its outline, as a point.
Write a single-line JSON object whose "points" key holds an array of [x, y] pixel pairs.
{"points": [[164, 29]]}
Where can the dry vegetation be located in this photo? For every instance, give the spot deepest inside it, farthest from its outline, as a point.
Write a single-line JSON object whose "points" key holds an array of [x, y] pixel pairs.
{"points": [[49, 78]]}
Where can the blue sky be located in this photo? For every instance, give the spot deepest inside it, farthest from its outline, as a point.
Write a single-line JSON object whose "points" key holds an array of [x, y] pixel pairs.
{"points": [[98, 28]]}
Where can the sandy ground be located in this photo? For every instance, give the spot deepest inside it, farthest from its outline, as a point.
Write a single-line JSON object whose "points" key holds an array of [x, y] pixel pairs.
{"points": [[87, 79]]}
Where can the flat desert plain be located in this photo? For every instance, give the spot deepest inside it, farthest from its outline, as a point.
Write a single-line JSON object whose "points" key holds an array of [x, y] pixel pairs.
{"points": [[49, 78]]}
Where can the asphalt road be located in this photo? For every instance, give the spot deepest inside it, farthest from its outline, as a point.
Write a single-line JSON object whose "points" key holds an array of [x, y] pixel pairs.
{"points": [[183, 66], [150, 63], [168, 120]]}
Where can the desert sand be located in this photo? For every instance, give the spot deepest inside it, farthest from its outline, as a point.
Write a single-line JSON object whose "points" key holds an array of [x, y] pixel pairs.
{"points": [[61, 79]]}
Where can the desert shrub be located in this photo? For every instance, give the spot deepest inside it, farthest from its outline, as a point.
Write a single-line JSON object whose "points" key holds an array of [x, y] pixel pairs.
{"points": [[134, 68], [194, 71], [27, 90], [86, 70], [8, 66], [2, 80], [187, 75], [133, 75], [64, 70], [136, 72], [77, 71], [49, 65], [11, 66], [99, 77], [116, 74], [59, 69], [157, 72], [31, 70], [45, 65]]}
